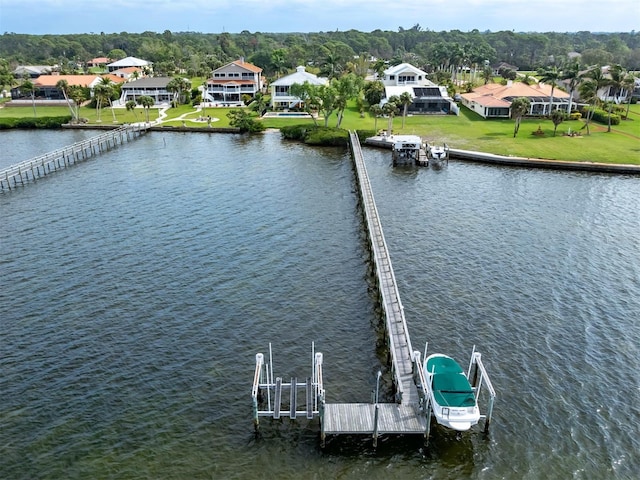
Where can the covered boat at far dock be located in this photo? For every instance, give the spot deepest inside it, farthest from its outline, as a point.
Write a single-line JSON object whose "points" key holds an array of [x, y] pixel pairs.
{"points": [[454, 401]]}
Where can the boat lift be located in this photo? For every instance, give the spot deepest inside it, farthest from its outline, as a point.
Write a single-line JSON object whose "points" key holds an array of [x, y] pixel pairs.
{"points": [[267, 392], [477, 376]]}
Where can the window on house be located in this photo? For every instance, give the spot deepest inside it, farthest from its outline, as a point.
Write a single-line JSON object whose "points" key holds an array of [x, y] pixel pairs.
{"points": [[392, 77]]}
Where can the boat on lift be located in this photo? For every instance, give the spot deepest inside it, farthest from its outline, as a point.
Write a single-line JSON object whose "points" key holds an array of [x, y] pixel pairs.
{"points": [[454, 401], [437, 153]]}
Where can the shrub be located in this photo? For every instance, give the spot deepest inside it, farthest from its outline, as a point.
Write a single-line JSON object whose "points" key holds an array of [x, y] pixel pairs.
{"points": [[602, 116], [34, 122], [294, 132], [575, 116], [327, 136]]}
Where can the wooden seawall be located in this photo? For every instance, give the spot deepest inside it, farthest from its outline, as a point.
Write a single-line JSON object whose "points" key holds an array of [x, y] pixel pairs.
{"points": [[20, 174]]}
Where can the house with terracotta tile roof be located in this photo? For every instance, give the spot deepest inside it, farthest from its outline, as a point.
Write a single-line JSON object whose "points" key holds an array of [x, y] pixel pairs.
{"points": [[129, 73], [230, 82], [46, 89], [494, 100], [280, 95], [98, 62]]}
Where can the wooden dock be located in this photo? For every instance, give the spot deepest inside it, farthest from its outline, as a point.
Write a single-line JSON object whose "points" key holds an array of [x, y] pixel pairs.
{"points": [[22, 173], [411, 412], [401, 350]]}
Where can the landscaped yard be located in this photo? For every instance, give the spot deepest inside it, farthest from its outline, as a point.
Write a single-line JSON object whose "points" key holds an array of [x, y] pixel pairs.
{"points": [[467, 131]]}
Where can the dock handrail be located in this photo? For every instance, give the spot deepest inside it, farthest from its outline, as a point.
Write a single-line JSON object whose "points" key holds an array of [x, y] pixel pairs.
{"points": [[69, 151]]}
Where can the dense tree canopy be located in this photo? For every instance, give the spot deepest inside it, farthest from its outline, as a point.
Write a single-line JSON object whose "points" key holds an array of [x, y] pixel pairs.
{"points": [[332, 53]]}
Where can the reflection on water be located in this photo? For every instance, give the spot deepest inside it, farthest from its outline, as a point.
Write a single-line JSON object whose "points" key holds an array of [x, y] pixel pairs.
{"points": [[136, 289]]}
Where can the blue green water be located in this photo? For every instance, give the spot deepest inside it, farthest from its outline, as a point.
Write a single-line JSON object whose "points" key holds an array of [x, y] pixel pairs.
{"points": [[136, 288]]}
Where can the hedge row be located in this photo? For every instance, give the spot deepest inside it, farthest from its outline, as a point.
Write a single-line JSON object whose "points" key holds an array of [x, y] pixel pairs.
{"points": [[602, 116], [31, 122], [312, 135]]}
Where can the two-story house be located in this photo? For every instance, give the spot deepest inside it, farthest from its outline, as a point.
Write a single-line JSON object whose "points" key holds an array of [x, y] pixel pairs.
{"points": [[154, 87], [427, 97], [281, 98], [230, 82]]}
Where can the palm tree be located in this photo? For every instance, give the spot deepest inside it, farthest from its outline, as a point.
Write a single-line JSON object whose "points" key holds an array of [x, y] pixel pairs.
{"points": [[557, 117], [589, 93], [629, 84], [486, 74], [550, 76], [100, 93], [109, 88], [593, 81], [390, 109], [131, 107], [147, 102], [405, 100], [572, 73], [63, 86], [376, 111], [615, 83], [519, 107], [29, 88]]}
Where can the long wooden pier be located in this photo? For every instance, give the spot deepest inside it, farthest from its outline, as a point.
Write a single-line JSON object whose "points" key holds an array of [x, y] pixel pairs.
{"points": [[411, 411], [22, 173]]}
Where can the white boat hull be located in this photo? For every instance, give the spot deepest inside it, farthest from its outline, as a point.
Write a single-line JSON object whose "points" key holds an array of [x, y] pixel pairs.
{"points": [[451, 396]]}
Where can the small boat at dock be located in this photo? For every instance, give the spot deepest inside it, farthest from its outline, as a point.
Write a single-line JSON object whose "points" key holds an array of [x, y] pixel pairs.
{"points": [[453, 399], [437, 153]]}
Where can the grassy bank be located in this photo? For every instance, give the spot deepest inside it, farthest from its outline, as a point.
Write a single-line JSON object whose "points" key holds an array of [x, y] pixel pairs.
{"points": [[468, 131]]}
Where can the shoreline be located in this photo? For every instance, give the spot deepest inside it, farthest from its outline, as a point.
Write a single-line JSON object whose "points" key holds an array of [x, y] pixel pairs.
{"points": [[458, 154]]}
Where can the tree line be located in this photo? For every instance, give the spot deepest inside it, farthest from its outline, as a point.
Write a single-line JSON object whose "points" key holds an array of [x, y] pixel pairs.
{"points": [[332, 53]]}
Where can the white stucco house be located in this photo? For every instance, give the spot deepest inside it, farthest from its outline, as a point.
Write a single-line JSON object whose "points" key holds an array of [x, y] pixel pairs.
{"points": [[280, 96], [428, 98]]}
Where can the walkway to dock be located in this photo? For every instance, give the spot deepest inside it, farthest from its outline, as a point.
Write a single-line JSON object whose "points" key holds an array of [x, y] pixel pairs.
{"points": [[400, 347], [22, 173], [411, 411]]}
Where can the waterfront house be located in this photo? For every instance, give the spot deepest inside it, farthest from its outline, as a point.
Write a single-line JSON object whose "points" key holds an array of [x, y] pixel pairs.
{"points": [[494, 99], [427, 97], [230, 82], [46, 89], [280, 96], [154, 87]]}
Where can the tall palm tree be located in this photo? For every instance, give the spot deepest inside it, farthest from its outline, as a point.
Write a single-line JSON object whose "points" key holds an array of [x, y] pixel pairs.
{"points": [[550, 76], [615, 83], [593, 81], [405, 100], [588, 89], [519, 107], [147, 102], [100, 93], [63, 86], [390, 109], [109, 87], [629, 84], [131, 107], [29, 88], [572, 73], [376, 111]]}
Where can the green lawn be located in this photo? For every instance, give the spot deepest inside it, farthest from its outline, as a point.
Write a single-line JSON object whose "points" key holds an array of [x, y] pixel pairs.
{"points": [[467, 131]]}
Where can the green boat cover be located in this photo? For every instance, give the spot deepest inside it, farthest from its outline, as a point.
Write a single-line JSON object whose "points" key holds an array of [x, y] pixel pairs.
{"points": [[450, 385]]}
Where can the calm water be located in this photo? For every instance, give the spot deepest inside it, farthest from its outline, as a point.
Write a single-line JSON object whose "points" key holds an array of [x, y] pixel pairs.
{"points": [[136, 288]]}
